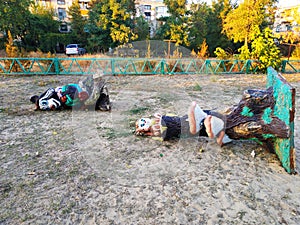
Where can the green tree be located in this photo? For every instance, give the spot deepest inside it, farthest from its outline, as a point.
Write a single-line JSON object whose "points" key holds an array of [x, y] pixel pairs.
{"points": [[241, 22], [99, 38], [215, 37], [41, 25], [264, 49], [160, 32], [78, 24], [177, 22], [110, 24], [141, 28], [199, 26], [14, 17], [117, 17]]}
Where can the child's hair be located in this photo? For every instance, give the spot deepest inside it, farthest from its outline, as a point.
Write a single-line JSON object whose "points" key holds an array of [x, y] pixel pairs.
{"points": [[35, 100]]}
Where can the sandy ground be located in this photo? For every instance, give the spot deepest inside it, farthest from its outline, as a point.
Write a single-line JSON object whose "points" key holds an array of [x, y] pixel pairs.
{"points": [[86, 167]]}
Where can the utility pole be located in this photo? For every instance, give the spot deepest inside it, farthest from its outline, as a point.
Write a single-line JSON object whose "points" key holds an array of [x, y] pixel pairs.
{"points": [[169, 46]]}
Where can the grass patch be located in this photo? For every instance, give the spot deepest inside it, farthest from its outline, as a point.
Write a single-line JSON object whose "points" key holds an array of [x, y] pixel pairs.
{"points": [[110, 133], [166, 98], [197, 87], [213, 78], [138, 110]]}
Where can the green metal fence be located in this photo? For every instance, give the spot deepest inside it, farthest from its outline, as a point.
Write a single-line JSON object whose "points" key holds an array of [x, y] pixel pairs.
{"points": [[132, 66]]}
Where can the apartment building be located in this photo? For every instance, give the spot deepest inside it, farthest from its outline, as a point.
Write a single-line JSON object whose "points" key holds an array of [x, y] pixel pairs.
{"points": [[61, 10], [151, 10], [285, 19]]}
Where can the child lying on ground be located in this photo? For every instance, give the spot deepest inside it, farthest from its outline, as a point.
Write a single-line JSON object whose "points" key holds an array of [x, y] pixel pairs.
{"points": [[197, 122], [252, 118], [67, 96], [90, 91]]}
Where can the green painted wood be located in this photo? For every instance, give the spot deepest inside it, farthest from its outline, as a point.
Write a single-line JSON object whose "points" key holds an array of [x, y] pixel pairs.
{"points": [[123, 66], [284, 95], [290, 66], [134, 66]]}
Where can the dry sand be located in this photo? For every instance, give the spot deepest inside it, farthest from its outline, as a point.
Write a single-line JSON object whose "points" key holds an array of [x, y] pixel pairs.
{"points": [[86, 167]]}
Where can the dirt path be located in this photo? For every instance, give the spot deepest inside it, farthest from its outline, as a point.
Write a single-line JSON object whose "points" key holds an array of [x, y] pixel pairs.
{"points": [[86, 167]]}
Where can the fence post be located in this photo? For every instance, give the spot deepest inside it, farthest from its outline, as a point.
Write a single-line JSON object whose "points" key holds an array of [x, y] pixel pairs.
{"points": [[207, 65], [56, 66], [112, 64], [283, 65], [162, 66], [248, 66]]}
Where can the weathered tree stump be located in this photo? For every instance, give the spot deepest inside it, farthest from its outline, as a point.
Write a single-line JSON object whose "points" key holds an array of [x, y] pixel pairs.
{"points": [[254, 118], [267, 116]]}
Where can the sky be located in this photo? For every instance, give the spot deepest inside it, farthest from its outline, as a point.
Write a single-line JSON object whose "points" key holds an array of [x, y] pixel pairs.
{"points": [[281, 2], [289, 2]]}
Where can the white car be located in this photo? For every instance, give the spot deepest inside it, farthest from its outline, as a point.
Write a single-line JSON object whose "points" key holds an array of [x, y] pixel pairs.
{"points": [[75, 49]]}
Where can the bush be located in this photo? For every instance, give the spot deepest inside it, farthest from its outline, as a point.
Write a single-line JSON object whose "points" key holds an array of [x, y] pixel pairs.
{"points": [[296, 52], [265, 50]]}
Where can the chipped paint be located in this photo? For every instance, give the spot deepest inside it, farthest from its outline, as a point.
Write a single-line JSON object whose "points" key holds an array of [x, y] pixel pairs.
{"points": [[267, 116], [247, 112], [266, 136], [284, 109]]}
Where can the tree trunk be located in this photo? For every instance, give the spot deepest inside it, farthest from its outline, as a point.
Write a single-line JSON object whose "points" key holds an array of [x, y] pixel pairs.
{"points": [[253, 118]]}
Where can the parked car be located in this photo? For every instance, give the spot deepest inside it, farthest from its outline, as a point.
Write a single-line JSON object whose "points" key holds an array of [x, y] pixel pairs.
{"points": [[75, 49]]}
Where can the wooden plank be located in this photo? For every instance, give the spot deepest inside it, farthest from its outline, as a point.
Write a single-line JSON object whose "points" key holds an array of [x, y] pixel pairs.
{"points": [[284, 109]]}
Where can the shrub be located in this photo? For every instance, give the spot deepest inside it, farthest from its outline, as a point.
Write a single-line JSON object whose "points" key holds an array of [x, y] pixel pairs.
{"points": [[265, 50]]}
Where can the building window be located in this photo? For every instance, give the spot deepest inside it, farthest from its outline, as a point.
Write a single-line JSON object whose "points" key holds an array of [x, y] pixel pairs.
{"points": [[63, 28], [278, 28], [147, 7], [61, 2], [161, 9], [62, 13], [288, 27], [148, 16], [84, 5]]}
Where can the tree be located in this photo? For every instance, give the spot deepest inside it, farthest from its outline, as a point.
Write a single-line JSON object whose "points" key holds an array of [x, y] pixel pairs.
{"points": [[141, 28], [203, 51], [178, 22], [41, 25], [160, 32], [118, 20], [99, 38], [240, 23], [14, 17], [215, 38], [110, 24], [10, 48], [199, 26], [265, 50], [78, 23], [240, 29]]}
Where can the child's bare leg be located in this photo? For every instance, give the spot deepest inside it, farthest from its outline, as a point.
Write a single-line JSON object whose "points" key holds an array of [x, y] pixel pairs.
{"points": [[207, 124], [220, 138], [192, 120]]}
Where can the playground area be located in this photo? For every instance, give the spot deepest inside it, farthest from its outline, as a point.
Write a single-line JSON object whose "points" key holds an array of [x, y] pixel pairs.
{"points": [[88, 167]]}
